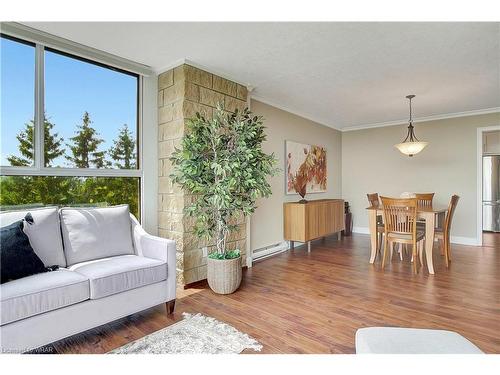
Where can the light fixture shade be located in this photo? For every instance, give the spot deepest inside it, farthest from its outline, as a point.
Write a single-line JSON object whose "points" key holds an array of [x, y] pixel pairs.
{"points": [[411, 145], [411, 148]]}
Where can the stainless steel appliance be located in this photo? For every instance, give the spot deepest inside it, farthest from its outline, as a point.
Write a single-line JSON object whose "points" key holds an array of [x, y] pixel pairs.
{"points": [[491, 193]]}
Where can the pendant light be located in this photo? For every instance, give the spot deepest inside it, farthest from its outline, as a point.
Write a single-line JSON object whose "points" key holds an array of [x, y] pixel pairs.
{"points": [[411, 145]]}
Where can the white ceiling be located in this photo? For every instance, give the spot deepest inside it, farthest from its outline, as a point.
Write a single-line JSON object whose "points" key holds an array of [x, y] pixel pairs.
{"points": [[339, 74]]}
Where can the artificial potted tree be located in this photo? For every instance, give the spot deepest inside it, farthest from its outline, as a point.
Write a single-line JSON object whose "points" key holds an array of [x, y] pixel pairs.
{"points": [[222, 164]]}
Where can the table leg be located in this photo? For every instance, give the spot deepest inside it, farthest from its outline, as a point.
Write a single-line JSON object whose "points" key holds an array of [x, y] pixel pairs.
{"points": [[291, 245], [308, 246], [339, 236], [372, 219], [430, 220]]}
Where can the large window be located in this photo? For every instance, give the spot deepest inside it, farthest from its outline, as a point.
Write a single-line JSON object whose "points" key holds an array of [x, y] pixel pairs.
{"points": [[69, 129]]}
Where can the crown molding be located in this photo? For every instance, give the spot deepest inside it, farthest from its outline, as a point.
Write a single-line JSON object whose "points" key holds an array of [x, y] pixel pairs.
{"points": [[320, 121], [292, 111], [423, 119]]}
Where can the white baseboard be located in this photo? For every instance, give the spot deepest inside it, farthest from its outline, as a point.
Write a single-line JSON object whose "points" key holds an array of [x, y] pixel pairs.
{"points": [[471, 241], [459, 240], [270, 250], [361, 230]]}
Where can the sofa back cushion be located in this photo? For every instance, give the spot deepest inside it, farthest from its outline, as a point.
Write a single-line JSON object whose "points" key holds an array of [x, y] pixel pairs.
{"points": [[94, 233], [44, 235]]}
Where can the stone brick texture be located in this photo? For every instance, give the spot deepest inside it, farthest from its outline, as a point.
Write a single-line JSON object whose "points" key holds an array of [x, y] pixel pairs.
{"points": [[183, 91]]}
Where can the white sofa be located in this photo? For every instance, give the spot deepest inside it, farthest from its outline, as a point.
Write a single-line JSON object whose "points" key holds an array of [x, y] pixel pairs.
{"points": [[109, 267]]}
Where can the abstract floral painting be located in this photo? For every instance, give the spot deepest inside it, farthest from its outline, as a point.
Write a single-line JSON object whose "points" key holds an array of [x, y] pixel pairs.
{"points": [[305, 168]]}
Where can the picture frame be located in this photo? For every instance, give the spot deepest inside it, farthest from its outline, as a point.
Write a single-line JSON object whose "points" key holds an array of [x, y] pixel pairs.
{"points": [[305, 161]]}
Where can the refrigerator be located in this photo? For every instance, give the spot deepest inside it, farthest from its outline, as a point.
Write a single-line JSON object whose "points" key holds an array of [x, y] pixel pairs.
{"points": [[491, 193]]}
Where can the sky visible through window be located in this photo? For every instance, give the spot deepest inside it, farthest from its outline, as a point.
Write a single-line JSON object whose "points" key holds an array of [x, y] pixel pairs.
{"points": [[17, 92], [71, 88]]}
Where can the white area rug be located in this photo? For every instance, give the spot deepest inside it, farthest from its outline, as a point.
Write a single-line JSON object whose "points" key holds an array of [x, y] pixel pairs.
{"points": [[195, 334]]}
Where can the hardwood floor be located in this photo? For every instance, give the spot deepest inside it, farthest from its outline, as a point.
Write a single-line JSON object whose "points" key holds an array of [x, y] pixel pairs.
{"points": [[313, 303], [491, 239]]}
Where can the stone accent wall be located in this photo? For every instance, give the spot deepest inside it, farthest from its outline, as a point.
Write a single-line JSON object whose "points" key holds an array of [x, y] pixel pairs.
{"points": [[182, 92]]}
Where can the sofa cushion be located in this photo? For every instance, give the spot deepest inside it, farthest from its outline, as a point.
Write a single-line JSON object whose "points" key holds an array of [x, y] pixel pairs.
{"points": [[95, 233], [393, 340], [44, 234], [40, 293], [121, 273]]}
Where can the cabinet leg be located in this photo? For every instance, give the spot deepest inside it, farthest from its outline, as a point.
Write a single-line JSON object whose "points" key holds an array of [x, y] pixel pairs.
{"points": [[308, 246]]}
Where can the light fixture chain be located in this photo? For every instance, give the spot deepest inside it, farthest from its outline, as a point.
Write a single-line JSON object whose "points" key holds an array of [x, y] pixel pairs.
{"points": [[411, 120]]}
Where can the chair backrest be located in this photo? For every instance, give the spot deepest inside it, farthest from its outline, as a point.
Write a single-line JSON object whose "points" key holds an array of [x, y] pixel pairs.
{"points": [[449, 214], [373, 199], [424, 199], [400, 215]]}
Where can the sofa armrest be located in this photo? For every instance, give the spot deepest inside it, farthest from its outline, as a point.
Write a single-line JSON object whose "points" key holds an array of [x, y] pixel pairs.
{"points": [[154, 247]]}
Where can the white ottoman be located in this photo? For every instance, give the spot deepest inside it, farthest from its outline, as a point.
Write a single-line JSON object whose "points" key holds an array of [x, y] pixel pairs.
{"points": [[389, 340]]}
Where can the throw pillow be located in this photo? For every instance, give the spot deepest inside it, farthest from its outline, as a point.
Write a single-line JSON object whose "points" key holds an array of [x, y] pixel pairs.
{"points": [[17, 257]]}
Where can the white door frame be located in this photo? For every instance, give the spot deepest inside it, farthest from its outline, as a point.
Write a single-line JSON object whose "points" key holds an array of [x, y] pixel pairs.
{"points": [[479, 185]]}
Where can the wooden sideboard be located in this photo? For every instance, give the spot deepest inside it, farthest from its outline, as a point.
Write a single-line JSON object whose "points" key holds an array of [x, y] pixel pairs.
{"points": [[304, 222]]}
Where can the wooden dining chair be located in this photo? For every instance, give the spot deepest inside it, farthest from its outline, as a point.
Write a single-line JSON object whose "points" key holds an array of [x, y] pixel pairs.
{"points": [[443, 234], [375, 202], [373, 199], [400, 219], [424, 199]]}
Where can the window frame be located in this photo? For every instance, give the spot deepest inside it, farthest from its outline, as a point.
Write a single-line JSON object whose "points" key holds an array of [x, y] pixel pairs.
{"points": [[88, 55]]}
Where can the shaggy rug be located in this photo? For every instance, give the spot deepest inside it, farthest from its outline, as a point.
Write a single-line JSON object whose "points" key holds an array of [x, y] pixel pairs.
{"points": [[195, 334]]}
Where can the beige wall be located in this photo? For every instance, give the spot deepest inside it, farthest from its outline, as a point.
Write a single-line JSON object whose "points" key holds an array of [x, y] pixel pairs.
{"points": [[267, 221], [370, 163]]}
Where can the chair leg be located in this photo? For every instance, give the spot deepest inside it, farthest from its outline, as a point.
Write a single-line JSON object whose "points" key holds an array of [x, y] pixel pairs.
{"points": [[441, 246], [446, 253], [415, 258], [448, 249], [379, 241], [391, 249], [400, 251], [384, 256], [421, 252]]}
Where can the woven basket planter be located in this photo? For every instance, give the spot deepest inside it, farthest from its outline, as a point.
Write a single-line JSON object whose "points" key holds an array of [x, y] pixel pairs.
{"points": [[224, 275]]}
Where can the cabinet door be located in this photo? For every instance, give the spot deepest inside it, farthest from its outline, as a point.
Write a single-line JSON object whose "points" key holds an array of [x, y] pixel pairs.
{"points": [[315, 224], [294, 222], [491, 142], [329, 218], [337, 217]]}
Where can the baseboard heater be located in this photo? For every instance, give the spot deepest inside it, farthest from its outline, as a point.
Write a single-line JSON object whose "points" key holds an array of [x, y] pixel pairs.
{"points": [[265, 252]]}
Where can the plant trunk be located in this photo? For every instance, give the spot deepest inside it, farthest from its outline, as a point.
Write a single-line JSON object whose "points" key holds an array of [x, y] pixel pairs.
{"points": [[221, 234]]}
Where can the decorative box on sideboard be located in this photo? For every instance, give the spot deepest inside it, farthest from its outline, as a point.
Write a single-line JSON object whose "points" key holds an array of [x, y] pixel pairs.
{"points": [[304, 222]]}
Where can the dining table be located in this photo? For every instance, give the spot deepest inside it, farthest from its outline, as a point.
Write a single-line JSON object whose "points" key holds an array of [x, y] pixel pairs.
{"points": [[427, 213]]}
